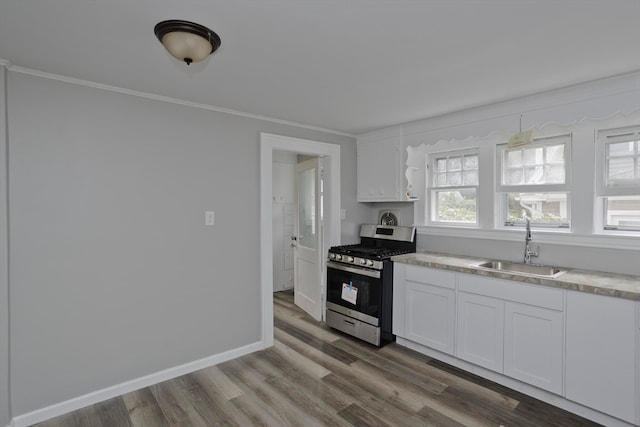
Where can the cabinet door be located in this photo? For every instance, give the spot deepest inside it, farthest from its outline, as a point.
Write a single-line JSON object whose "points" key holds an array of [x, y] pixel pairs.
{"points": [[480, 334], [430, 316], [533, 345], [601, 366], [379, 171]]}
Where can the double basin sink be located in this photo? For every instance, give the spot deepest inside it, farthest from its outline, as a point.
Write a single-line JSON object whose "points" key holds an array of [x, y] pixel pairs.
{"points": [[520, 268]]}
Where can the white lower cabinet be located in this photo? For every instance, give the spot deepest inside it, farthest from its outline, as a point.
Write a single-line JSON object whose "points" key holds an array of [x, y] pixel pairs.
{"points": [[533, 345], [581, 346], [480, 330], [430, 316], [424, 306], [601, 361]]}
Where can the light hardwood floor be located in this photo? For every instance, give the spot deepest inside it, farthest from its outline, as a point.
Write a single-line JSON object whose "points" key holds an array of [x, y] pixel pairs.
{"points": [[314, 376]]}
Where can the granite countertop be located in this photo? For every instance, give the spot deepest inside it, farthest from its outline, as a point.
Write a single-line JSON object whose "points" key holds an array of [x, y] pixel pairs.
{"points": [[596, 282]]}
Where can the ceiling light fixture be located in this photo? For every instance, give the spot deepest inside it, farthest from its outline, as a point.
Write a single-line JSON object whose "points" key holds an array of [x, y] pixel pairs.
{"points": [[187, 41]]}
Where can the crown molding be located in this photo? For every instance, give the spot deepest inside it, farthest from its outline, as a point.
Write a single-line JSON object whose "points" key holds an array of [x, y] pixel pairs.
{"points": [[155, 97]]}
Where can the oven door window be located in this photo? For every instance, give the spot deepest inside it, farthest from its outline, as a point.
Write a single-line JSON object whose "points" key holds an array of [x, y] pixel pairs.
{"points": [[367, 291]]}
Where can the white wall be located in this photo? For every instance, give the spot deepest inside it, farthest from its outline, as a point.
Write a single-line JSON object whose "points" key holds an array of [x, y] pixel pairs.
{"points": [[597, 99], [113, 274]]}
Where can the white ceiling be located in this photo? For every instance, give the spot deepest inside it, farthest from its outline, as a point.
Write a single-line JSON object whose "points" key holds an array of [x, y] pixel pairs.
{"points": [[346, 65]]}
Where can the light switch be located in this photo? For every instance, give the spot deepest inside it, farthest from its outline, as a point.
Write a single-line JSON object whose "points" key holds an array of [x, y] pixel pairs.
{"points": [[209, 218]]}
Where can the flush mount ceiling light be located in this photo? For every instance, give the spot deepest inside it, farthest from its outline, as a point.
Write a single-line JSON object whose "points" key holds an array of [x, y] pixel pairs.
{"points": [[187, 41]]}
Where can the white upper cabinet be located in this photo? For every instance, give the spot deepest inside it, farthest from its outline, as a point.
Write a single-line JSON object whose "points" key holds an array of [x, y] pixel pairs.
{"points": [[381, 168]]}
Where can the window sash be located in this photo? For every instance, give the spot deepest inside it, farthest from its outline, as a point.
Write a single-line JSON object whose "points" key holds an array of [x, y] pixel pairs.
{"points": [[629, 185], [454, 172], [548, 205], [463, 211], [627, 219], [543, 164], [454, 169], [629, 162]]}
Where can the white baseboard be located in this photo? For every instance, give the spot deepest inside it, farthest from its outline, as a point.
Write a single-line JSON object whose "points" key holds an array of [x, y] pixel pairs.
{"points": [[92, 398]]}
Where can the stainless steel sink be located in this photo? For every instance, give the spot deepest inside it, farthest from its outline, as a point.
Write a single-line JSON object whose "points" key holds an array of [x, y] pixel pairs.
{"points": [[521, 268]]}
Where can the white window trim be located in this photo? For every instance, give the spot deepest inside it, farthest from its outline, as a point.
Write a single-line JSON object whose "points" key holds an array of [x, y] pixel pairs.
{"points": [[502, 190], [584, 212], [603, 137], [431, 190], [537, 188]]}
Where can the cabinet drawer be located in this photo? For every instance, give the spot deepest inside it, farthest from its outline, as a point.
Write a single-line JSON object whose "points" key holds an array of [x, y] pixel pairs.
{"points": [[537, 295], [431, 276]]}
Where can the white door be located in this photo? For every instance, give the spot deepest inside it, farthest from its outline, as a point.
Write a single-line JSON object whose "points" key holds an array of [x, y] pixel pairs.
{"points": [[307, 241]]}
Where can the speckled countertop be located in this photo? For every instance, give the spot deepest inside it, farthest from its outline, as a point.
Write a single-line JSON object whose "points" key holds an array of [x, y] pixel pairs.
{"points": [[596, 282]]}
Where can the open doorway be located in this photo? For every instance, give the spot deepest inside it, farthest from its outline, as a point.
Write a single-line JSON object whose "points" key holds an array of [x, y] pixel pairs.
{"points": [[331, 230], [297, 225]]}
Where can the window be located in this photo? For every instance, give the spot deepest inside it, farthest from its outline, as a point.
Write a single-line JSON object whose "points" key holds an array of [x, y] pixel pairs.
{"points": [[533, 182], [454, 186], [618, 178]]}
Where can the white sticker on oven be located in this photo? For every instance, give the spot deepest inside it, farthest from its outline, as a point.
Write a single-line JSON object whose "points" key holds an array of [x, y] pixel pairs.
{"points": [[349, 293]]}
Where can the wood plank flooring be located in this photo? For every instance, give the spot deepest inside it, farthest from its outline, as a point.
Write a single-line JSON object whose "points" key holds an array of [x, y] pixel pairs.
{"points": [[314, 376]]}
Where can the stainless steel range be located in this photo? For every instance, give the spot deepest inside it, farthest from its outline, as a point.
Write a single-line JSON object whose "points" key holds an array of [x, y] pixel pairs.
{"points": [[360, 282]]}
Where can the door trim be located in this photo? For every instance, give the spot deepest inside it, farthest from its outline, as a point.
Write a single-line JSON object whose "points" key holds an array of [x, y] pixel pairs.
{"points": [[331, 230]]}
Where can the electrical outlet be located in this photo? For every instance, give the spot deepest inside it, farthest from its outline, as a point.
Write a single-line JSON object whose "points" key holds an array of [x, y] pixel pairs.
{"points": [[209, 218]]}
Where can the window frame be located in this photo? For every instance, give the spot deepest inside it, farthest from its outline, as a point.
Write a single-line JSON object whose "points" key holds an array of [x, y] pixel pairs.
{"points": [[432, 190], [621, 188], [502, 190]]}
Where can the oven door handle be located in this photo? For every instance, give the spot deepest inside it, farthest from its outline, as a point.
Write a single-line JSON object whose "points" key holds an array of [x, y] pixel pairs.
{"points": [[356, 270]]}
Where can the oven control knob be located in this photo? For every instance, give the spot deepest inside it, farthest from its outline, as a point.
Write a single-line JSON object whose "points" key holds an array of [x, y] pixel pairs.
{"points": [[363, 261], [369, 262], [332, 256], [339, 257], [349, 259]]}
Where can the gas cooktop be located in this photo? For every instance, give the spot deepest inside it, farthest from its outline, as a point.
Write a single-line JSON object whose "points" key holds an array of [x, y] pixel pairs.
{"points": [[363, 251], [378, 244]]}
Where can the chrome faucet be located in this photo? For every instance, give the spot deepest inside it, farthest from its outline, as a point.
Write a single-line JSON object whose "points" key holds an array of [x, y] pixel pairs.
{"points": [[528, 252]]}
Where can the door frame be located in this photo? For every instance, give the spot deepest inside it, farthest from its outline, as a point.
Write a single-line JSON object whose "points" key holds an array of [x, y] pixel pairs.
{"points": [[331, 229]]}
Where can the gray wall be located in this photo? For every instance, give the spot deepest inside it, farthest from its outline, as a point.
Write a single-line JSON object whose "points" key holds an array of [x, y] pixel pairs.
{"points": [[113, 274], [582, 257], [5, 413]]}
